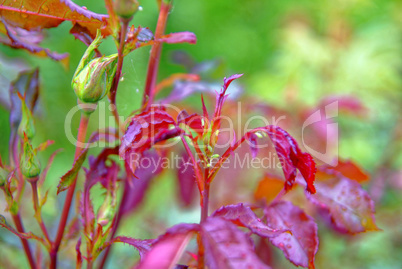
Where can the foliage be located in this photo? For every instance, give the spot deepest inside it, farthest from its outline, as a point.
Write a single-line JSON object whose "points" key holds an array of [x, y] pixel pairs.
{"points": [[283, 209]]}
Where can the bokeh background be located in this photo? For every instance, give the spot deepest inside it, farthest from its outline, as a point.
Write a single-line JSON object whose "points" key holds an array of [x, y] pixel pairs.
{"points": [[292, 54]]}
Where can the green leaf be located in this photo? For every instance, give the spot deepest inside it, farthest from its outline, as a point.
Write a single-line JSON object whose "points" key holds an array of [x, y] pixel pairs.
{"points": [[70, 176]]}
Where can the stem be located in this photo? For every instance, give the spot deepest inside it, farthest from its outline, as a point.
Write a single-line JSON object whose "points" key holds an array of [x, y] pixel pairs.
{"points": [[82, 131], [154, 58], [115, 224], [27, 249], [34, 185], [197, 168], [204, 216], [116, 80]]}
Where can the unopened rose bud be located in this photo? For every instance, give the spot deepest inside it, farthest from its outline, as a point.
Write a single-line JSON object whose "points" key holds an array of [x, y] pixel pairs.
{"points": [[29, 163], [95, 79], [3, 177], [125, 8], [27, 123], [94, 76]]}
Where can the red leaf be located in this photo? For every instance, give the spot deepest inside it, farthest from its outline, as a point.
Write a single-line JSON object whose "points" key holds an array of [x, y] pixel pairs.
{"points": [[145, 130], [301, 245], [227, 247], [194, 121], [220, 99], [168, 248], [79, 255], [245, 217], [181, 37], [344, 202], [290, 156]]}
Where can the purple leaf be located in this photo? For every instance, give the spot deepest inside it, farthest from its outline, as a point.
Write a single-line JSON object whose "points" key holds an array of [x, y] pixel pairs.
{"points": [[343, 202], [143, 246], [26, 43], [227, 247], [245, 217], [168, 248], [187, 181], [144, 173], [301, 245], [252, 138], [181, 37], [27, 84]]}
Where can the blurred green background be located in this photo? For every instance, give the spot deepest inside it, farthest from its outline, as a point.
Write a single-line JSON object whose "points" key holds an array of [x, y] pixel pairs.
{"points": [[291, 52]]}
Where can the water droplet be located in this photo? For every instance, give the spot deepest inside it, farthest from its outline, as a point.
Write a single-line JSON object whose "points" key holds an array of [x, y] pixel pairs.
{"points": [[23, 14], [121, 79], [140, 8], [45, 8], [137, 90], [84, 7], [281, 245]]}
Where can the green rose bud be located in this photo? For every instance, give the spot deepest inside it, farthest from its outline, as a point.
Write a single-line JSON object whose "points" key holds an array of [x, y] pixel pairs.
{"points": [[94, 76], [3, 176], [27, 124], [29, 163], [125, 8]]}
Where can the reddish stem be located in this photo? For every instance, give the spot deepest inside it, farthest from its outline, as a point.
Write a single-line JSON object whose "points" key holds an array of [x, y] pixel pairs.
{"points": [[154, 58], [115, 224], [82, 131], [116, 80], [204, 216], [35, 198], [27, 249]]}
